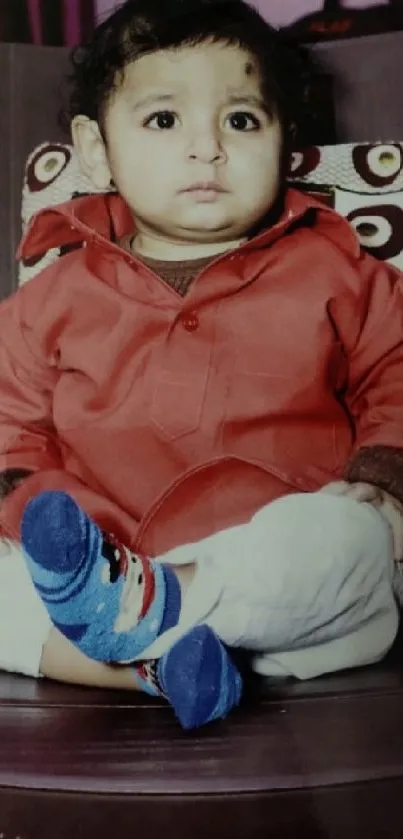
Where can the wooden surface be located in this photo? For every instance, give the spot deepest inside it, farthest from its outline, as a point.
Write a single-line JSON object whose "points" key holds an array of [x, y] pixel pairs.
{"points": [[114, 746], [326, 756]]}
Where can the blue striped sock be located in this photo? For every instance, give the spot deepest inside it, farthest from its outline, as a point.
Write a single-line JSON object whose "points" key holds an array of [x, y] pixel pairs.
{"points": [[109, 602], [199, 679]]}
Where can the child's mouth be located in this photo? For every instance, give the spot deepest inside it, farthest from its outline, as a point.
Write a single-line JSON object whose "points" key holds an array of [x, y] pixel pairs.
{"points": [[205, 191], [206, 187]]}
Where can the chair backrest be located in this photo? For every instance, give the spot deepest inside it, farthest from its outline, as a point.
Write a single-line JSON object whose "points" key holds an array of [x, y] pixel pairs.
{"points": [[30, 79]]}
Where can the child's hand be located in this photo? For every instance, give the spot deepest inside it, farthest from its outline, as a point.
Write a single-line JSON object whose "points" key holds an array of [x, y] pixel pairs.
{"points": [[388, 506]]}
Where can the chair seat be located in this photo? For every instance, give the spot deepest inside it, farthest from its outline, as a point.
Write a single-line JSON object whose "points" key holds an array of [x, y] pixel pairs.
{"points": [[323, 757]]}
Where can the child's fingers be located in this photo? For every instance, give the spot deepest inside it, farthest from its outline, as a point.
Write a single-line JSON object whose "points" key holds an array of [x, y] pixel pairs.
{"points": [[358, 491], [364, 492], [336, 488], [389, 508]]}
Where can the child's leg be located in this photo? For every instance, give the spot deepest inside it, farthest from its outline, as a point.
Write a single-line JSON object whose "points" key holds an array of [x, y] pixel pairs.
{"points": [[308, 583], [30, 645], [24, 622], [111, 604], [195, 691], [307, 569]]}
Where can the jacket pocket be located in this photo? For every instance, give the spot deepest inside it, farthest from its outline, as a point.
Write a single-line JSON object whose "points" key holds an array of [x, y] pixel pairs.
{"points": [[176, 405]]}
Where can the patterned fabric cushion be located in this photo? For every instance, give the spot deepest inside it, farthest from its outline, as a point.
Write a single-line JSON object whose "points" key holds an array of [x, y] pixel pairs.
{"points": [[52, 176], [378, 220], [364, 182]]}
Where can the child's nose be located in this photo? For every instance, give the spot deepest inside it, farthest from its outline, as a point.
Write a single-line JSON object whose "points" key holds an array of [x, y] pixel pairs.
{"points": [[206, 146]]}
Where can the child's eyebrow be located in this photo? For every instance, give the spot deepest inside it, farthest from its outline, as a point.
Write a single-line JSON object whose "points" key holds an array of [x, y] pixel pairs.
{"points": [[246, 99], [232, 99], [152, 99]]}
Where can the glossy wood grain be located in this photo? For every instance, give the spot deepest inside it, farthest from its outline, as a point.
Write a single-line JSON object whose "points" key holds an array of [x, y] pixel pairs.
{"points": [[324, 758], [95, 742]]}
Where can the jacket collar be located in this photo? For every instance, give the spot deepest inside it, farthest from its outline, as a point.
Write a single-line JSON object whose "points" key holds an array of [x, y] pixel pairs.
{"points": [[106, 217]]}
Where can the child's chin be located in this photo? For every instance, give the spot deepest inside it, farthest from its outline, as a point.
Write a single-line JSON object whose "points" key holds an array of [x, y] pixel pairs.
{"points": [[209, 224]]}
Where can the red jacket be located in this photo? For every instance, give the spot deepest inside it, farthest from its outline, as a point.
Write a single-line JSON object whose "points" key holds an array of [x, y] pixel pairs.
{"points": [[168, 417]]}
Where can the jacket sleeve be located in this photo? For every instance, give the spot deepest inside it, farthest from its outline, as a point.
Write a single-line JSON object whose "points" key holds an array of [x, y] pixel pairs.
{"points": [[378, 465], [28, 438], [370, 327], [10, 479]]}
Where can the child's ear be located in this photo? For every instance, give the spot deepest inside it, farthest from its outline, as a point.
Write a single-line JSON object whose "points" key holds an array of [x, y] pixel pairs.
{"points": [[90, 147]]}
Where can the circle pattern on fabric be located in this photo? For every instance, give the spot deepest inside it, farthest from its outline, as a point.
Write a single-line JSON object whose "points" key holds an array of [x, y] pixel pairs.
{"points": [[379, 164], [33, 260], [46, 166], [304, 162], [380, 229]]}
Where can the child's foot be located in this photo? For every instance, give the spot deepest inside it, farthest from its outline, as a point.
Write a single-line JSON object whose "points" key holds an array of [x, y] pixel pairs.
{"points": [[196, 676], [109, 602]]}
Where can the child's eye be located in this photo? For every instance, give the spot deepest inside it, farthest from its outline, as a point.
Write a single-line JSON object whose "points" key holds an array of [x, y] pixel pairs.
{"points": [[244, 121], [161, 120]]}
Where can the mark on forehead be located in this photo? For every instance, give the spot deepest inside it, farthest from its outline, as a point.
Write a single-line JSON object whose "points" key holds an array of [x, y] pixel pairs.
{"points": [[249, 68]]}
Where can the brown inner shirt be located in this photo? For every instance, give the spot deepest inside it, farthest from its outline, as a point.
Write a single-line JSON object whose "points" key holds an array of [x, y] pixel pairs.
{"points": [[179, 275]]}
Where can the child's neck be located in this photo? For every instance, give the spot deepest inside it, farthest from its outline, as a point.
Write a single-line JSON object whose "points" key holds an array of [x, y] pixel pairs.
{"points": [[161, 249]]}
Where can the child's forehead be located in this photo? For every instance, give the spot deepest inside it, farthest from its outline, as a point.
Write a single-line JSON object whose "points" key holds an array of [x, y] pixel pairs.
{"points": [[218, 65]]}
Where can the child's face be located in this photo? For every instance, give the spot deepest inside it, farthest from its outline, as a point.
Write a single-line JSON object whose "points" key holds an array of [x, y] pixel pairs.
{"points": [[193, 116]]}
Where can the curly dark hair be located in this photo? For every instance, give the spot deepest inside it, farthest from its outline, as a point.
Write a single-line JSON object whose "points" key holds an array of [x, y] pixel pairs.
{"points": [[140, 27]]}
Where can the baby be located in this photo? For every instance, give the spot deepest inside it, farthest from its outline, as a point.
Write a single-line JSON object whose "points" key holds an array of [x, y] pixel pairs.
{"points": [[214, 363]]}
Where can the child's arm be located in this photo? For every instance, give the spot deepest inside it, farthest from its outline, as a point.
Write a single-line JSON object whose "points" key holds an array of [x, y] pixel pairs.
{"points": [[379, 465], [11, 479], [371, 330], [29, 462], [28, 438]]}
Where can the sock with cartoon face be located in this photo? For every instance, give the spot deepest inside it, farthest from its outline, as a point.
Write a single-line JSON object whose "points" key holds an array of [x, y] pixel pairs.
{"points": [[111, 603], [196, 676]]}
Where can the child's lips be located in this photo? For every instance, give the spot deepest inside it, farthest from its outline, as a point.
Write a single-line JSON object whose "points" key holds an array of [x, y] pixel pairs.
{"points": [[204, 186], [205, 191]]}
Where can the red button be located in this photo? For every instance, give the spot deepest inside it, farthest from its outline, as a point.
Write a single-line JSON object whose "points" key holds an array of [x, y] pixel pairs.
{"points": [[190, 322]]}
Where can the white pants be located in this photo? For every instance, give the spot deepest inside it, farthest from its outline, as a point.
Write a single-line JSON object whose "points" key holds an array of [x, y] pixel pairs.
{"points": [[309, 586], [24, 621]]}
